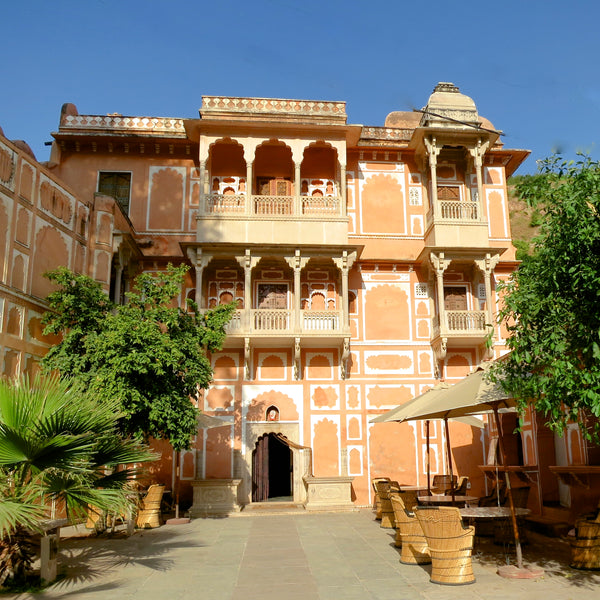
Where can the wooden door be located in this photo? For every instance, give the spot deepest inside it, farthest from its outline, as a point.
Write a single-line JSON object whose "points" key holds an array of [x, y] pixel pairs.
{"points": [[455, 298], [260, 470]]}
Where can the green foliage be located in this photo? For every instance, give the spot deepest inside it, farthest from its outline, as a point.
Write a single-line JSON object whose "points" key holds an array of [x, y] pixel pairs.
{"points": [[552, 301], [523, 249], [536, 218], [58, 447], [148, 353]]}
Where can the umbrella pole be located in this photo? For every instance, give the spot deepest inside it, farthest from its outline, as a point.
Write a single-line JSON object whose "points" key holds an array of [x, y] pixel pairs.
{"points": [[176, 457], [449, 459], [428, 459], [511, 504]]}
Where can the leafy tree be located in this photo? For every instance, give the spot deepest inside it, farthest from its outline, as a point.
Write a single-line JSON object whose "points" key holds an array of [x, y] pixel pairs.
{"points": [[149, 353], [59, 447], [551, 304]]}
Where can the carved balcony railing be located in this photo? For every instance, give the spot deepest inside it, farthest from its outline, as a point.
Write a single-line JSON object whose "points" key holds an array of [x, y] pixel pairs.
{"points": [[235, 325], [325, 321], [460, 322], [271, 206], [224, 204], [279, 322], [271, 320], [459, 211], [320, 205], [466, 320]]}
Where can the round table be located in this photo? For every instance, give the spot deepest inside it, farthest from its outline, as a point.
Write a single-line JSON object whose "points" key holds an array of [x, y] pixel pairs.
{"points": [[447, 500]]}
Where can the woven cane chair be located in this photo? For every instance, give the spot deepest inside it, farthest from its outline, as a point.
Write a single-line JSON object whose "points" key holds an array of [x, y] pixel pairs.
{"points": [[414, 544], [384, 488], [377, 500], [450, 544], [585, 544], [149, 514], [441, 483], [461, 487], [409, 499]]}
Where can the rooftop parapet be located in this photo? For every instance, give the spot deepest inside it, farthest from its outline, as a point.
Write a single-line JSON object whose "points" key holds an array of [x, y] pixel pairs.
{"points": [[301, 111], [72, 122]]}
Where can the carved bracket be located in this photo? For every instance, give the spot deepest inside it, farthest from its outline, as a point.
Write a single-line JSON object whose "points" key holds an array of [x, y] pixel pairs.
{"points": [[247, 359], [440, 347], [297, 364], [344, 372]]}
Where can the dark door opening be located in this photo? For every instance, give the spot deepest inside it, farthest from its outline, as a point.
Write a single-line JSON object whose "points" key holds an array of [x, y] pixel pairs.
{"points": [[272, 468]]}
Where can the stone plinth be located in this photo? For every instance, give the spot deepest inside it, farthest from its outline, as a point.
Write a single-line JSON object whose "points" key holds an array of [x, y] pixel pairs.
{"points": [[328, 493], [214, 497]]}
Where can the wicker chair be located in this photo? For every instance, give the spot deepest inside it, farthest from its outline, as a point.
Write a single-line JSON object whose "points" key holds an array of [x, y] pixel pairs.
{"points": [[585, 544], [96, 519], [387, 512], [149, 514], [441, 483], [450, 544], [414, 545], [377, 500], [497, 497], [461, 487], [409, 498]]}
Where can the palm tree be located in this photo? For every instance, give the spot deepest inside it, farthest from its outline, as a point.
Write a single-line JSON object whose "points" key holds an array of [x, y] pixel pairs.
{"points": [[60, 452]]}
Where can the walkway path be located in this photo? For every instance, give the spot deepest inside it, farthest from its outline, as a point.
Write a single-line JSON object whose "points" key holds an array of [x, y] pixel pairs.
{"points": [[333, 556]]}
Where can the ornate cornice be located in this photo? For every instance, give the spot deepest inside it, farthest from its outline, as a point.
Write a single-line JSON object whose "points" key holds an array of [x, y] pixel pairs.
{"points": [[119, 123], [225, 106]]}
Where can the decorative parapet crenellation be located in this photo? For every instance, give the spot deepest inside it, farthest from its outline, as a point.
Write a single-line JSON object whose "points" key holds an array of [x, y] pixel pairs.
{"points": [[119, 123], [224, 106], [390, 134]]}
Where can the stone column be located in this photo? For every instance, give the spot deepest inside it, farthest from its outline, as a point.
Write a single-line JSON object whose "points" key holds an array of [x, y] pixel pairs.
{"points": [[343, 190], [487, 266], [119, 264], [249, 188], [344, 263], [199, 260], [247, 262], [433, 152], [297, 263], [477, 154], [440, 264], [204, 188], [249, 152], [297, 182]]}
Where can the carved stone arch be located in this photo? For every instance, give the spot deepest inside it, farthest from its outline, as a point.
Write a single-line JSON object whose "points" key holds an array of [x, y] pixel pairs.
{"points": [[319, 168], [226, 158], [301, 456], [273, 158]]}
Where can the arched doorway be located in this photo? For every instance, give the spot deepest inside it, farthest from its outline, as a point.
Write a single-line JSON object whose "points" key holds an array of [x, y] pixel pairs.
{"points": [[272, 468]]}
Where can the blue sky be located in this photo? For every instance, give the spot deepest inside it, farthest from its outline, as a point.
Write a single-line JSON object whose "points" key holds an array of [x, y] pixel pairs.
{"points": [[531, 66]]}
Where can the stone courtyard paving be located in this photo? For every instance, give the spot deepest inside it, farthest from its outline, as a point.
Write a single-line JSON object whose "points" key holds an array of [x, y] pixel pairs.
{"points": [[328, 556]]}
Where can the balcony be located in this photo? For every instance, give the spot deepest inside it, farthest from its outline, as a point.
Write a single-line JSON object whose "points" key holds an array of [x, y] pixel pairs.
{"points": [[259, 219], [276, 324], [461, 327], [459, 211], [259, 207], [456, 224]]}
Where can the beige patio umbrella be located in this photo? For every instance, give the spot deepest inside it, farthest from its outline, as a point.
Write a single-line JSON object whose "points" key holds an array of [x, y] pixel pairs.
{"points": [[406, 410], [474, 394]]}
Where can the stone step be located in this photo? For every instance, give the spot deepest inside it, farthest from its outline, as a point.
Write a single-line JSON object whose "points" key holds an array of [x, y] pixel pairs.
{"points": [[548, 525], [272, 508]]}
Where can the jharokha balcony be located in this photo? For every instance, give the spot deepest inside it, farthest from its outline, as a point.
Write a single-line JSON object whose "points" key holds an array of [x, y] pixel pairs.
{"points": [[277, 323], [272, 206], [457, 328]]}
